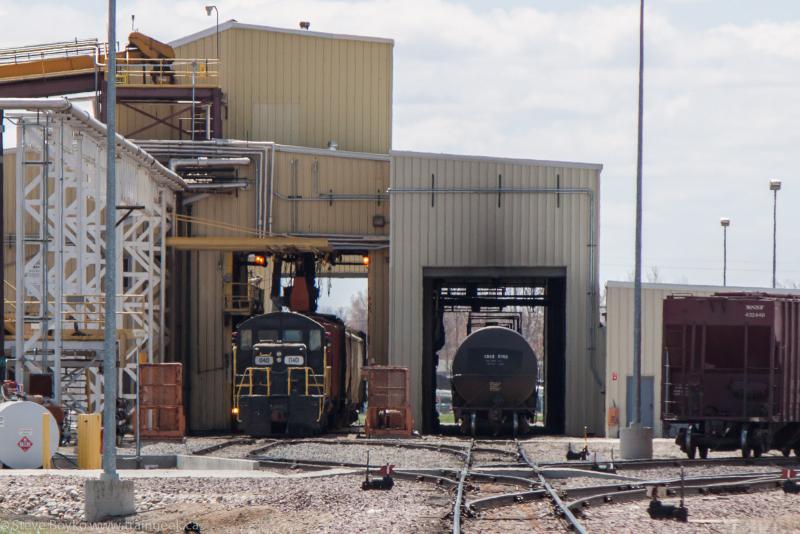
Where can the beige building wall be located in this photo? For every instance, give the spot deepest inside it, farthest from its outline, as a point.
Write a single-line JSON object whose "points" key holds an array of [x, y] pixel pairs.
{"points": [[302, 178], [542, 230], [322, 192], [619, 341], [301, 88]]}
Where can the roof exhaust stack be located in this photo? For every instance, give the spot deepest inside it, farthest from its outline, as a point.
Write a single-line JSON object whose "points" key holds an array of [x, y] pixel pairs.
{"points": [[304, 24]]}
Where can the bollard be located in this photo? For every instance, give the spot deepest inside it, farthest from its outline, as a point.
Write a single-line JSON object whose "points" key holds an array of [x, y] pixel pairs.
{"points": [[46, 461], [89, 441]]}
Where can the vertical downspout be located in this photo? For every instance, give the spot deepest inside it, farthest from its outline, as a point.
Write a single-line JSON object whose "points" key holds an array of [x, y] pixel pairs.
{"points": [[271, 188]]}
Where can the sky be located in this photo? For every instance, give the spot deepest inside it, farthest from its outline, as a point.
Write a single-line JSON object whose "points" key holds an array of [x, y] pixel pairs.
{"points": [[556, 80]]}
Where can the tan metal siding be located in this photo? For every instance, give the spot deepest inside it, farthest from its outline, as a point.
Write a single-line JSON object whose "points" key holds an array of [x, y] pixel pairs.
{"points": [[311, 176], [619, 340], [469, 230], [378, 307], [303, 90]]}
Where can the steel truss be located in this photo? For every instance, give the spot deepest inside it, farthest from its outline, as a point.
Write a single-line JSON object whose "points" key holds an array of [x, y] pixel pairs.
{"points": [[60, 258]]}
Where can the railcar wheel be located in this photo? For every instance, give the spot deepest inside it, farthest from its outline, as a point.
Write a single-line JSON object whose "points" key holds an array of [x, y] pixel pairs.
{"points": [[703, 452], [786, 451], [516, 425], [745, 452], [757, 451], [472, 423], [797, 451], [692, 451]]}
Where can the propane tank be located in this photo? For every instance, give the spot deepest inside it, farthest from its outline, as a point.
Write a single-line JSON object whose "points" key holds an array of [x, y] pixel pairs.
{"points": [[21, 434]]}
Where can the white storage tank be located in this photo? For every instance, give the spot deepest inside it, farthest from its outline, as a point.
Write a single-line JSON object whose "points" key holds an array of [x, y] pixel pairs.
{"points": [[21, 434]]}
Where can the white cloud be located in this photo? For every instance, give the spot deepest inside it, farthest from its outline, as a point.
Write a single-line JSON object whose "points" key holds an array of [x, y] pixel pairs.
{"points": [[721, 106]]}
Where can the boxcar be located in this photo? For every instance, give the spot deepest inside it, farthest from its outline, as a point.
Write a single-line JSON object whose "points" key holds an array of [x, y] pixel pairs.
{"points": [[731, 372]]}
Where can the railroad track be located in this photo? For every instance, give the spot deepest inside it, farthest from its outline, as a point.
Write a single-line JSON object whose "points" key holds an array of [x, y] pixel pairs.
{"points": [[563, 509], [660, 463], [459, 500]]}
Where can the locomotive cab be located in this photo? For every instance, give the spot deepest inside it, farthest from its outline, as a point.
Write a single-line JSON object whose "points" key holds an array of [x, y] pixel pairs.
{"points": [[281, 376]]}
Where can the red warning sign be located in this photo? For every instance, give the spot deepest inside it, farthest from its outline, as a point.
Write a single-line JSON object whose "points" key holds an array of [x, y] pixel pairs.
{"points": [[24, 444]]}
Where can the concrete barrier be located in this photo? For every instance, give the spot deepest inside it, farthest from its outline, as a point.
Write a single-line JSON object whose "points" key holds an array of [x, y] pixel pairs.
{"points": [[212, 463]]}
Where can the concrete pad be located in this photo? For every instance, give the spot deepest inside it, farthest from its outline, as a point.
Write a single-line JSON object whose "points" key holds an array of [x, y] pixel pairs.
{"points": [[213, 463], [107, 498], [636, 442]]}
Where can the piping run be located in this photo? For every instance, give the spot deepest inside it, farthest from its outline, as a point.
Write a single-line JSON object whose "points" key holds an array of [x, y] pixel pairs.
{"points": [[175, 164], [63, 105], [593, 282]]}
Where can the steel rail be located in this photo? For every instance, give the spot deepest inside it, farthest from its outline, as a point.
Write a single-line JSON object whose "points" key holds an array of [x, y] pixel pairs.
{"points": [[760, 483], [223, 445], [459, 500], [675, 462], [564, 510], [589, 492]]}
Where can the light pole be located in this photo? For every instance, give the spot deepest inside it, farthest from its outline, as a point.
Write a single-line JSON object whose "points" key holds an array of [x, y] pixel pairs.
{"points": [[209, 9], [725, 223], [774, 186], [636, 440]]}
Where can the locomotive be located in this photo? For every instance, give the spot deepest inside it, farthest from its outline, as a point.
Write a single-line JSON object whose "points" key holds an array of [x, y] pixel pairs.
{"points": [[494, 381], [731, 364], [298, 372]]}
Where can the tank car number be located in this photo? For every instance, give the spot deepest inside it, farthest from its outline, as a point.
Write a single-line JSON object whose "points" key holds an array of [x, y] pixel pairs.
{"points": [[263, 360], [495, 359], [293, 360]]}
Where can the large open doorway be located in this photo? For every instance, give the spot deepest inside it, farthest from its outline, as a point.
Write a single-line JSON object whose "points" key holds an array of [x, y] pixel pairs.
{"points": [[456, 297]]}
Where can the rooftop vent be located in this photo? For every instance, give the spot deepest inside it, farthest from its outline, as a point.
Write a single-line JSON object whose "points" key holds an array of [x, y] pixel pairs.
{"points": [[304, 24]]}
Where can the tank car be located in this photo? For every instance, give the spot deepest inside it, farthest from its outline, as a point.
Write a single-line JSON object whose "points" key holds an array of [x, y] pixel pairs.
{"points": [[296, 374], [730, 365], [494, 381]]}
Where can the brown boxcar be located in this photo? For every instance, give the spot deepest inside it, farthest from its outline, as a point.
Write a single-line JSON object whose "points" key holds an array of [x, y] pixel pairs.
{"points": [[731, 372]]}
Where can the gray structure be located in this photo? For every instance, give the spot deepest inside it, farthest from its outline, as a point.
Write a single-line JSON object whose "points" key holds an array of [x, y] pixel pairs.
{"points": [[495, 222]]}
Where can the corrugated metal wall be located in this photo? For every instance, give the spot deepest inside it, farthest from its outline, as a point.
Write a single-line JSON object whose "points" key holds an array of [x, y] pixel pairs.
{"points": [[298, 173], [470, 230], [619, 340], [304, 178], [303, 89]]}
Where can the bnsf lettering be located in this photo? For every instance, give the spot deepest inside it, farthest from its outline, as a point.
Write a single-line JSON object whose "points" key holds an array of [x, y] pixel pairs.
{"points": [[754, 307]]}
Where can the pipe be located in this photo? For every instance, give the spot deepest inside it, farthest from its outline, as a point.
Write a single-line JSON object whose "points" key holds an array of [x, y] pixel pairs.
{"points": [[271, 188], [592, 245], [228, 146], [239, 184], [176, 163]]}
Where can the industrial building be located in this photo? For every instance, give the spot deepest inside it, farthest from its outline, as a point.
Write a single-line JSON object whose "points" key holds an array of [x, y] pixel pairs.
{"points": [[285, 148], [619, 347]]}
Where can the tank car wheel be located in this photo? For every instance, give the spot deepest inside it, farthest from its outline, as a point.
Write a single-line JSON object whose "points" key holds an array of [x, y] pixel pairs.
{"points": [[797, 451], [786, 451], [745, 452], [516, 425], [472, 424], [757, 451], [703, 452], [691, 452]]}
